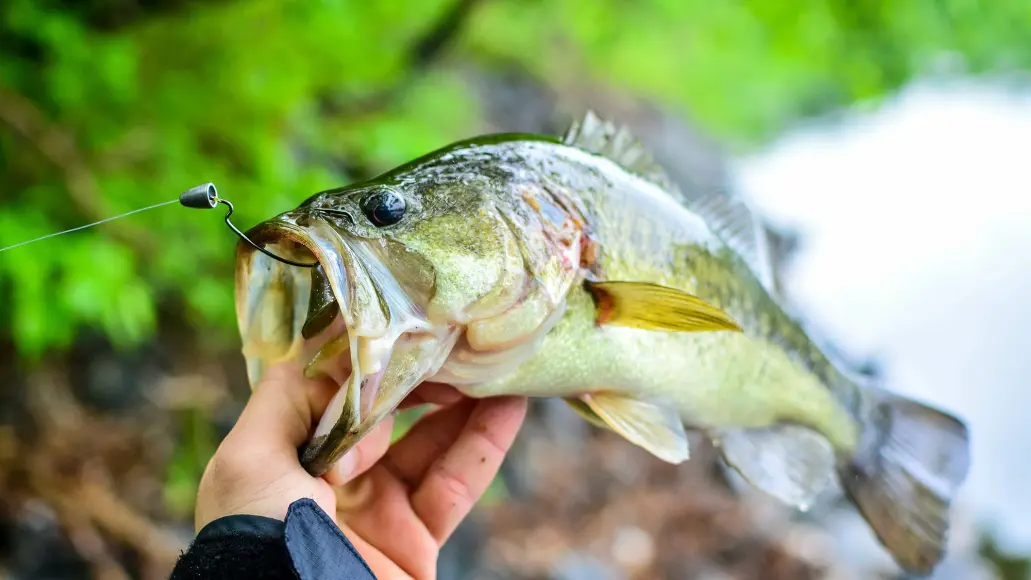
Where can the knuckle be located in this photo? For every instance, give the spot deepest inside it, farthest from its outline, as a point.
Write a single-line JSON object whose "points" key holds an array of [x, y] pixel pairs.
{"points": [[488, 439], [228, 471], [455, 484], [226, 466]]}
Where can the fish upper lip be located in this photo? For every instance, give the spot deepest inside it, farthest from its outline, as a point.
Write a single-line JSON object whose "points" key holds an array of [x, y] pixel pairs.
{"points": [[286, 226], [348, 263]]}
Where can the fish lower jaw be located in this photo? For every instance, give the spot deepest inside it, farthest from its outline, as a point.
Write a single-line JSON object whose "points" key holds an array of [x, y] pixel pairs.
{"points": [[358, 367], [370, 391]]}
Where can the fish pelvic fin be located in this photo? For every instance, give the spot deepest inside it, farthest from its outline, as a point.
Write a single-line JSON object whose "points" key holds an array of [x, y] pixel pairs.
{"points": [[654, 427], [584, 410], [902, 478], [790, 462], [654, 307]]}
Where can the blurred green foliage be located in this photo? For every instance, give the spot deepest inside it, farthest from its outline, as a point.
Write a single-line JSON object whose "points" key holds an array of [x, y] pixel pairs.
{"points": [[186, 465], [1007, 566], [106, 107]]}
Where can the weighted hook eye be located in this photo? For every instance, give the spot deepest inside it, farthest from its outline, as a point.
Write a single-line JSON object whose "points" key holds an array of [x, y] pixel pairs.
{"points": [[205, 196], [200, 197]]}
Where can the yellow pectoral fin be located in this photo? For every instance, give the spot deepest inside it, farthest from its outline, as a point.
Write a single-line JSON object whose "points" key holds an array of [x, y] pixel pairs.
{"points": [[656, 428], [653, 307]]}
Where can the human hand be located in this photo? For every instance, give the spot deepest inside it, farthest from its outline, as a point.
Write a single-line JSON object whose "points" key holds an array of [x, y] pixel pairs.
{"points": [[420, 488]]}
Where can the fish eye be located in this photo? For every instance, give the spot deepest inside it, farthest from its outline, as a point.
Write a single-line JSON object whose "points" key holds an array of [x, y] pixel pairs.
{"points": [[383, 207]]}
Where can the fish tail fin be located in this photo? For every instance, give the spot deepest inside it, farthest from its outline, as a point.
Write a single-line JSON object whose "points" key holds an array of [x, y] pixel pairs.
{"points": [[902, 478]]}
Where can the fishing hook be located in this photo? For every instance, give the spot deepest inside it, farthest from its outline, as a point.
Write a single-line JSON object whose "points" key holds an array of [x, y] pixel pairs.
{"points": [[206, 197]]}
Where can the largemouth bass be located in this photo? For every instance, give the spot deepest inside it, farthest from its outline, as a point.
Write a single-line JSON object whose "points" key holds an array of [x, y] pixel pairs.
{"points": [[572, 267]]}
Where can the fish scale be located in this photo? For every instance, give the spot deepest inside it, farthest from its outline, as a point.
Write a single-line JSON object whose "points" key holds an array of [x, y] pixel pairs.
{"points": [[528, 265]]}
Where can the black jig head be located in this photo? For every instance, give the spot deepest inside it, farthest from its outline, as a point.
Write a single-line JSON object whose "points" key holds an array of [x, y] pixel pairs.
{"points": [[206, 197]]}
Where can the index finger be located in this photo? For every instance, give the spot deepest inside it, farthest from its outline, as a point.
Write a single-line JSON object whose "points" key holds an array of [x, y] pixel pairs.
{"points": [[456, 480], [284, 407]]}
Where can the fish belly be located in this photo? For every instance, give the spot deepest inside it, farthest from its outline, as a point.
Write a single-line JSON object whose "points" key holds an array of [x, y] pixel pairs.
{"points": [[716, 380]]}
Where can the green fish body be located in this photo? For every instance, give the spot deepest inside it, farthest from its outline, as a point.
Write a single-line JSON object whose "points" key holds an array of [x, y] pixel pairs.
{"points": [[574, 268]]}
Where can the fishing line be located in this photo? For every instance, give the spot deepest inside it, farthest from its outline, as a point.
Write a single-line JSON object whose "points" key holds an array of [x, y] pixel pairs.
{"points": [[203, 196], [97, 223]]}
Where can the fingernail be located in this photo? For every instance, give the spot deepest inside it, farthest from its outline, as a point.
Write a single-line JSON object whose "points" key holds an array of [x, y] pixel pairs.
{"points": [[346, 465]]}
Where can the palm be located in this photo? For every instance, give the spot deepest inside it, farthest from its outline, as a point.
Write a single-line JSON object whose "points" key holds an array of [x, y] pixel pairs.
{"points": [[401, 511], [407, 498]]}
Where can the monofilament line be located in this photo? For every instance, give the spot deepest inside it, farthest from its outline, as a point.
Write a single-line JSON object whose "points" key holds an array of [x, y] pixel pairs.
{"points": [[97, 223]]}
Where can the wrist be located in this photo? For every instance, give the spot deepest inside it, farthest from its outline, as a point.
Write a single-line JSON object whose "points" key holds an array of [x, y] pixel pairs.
{"points": [[306, 543]]}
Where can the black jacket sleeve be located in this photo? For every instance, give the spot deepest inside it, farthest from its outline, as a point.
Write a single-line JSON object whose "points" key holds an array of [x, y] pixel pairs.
{"points": [[308, 545]]}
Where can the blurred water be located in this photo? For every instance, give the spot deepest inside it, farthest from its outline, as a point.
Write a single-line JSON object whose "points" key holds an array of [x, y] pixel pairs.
{"points": [[916, 249]]}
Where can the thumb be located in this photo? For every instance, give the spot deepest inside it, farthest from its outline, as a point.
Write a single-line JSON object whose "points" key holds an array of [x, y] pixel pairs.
{"points": [[285, 407]]}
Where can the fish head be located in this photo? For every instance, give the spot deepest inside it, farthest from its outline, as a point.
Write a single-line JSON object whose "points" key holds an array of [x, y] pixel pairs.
{"points": [[402, 269]]}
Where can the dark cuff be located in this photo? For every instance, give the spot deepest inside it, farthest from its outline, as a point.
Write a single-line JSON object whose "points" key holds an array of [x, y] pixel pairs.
{"points": [[238, 546], [307, 546]]}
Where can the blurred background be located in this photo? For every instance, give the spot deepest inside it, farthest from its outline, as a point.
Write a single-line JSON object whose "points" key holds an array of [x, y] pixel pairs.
{"points": [[885, 142]]}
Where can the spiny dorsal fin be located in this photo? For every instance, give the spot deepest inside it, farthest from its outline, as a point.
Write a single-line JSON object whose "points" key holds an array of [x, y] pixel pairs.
{"points": [[604, 138], [731, 219]]}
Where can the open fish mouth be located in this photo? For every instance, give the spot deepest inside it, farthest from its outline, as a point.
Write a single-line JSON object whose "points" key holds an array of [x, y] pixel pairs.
{"points": [[347, 318]]}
